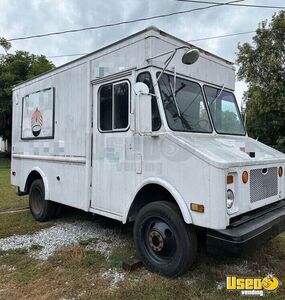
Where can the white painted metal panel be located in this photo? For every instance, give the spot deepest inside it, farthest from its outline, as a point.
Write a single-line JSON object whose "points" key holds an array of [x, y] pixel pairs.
{"points": [[113, 166], [207, 68], [65, 155]]}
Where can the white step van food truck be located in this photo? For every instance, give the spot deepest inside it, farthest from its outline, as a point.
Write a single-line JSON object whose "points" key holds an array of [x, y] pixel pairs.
{"points": [[148, 130]]}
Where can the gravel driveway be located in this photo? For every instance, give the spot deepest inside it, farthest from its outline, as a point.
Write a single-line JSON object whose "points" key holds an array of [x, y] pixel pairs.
{"points": [[65, 234]]}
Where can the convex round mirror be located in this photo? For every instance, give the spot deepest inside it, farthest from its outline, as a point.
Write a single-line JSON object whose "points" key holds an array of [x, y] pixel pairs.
{"points": [[141, 88], [191, 56]]}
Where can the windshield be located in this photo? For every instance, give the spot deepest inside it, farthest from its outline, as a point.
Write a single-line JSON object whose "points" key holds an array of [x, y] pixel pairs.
{"points": [[184, 105], [224, 111]]}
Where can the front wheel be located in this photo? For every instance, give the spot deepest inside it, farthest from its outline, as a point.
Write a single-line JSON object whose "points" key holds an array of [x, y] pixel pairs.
{"points": [[164, 242]]}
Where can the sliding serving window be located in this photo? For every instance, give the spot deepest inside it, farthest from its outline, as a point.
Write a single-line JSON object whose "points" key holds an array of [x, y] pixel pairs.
{"points": [[184, 105], [114, 103], [38, 115], [224, 111]]}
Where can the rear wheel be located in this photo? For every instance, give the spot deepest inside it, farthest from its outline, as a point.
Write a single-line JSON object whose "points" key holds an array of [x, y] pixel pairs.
{"points": [[164, 242], [41, 209]]}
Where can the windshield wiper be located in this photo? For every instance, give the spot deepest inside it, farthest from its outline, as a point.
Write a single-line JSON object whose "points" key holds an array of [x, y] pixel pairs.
{"points": [[222, 89], [174, 112], [174, 98], [175, 108]]}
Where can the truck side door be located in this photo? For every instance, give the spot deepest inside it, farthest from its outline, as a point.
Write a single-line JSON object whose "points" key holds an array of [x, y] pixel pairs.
{"points": [[113, 150]]}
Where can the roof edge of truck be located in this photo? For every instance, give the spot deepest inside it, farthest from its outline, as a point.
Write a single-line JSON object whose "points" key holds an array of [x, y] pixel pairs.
{"points": [[162, 33]]}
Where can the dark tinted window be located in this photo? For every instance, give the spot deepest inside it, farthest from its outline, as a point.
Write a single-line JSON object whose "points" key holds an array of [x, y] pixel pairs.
{"points": [[114, 106], [106, 107], [145, 77], [121, 105]]}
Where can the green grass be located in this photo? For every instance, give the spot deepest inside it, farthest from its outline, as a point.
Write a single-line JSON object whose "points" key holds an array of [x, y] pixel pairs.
{"points": [[8, 197], [78, 259], [121, 254], [36, 247], [19, 223], [27, 268]]}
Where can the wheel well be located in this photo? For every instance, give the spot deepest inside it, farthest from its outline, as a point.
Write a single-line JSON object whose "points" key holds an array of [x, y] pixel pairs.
{"points": [[31, 178], [149, 193]]}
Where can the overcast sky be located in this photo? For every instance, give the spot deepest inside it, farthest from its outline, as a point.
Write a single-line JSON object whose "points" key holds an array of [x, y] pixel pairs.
{"points": [[28, 17]]}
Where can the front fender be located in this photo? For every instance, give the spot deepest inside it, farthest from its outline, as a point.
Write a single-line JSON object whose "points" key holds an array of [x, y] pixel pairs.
{"points": [[175, 194]]}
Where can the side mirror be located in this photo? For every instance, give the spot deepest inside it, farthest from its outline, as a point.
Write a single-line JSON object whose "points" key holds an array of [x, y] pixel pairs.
{"points": [[143, 114]]}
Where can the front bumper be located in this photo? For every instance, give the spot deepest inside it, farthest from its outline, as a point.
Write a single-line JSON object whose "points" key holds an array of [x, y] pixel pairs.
{"points": [[247, 235]]}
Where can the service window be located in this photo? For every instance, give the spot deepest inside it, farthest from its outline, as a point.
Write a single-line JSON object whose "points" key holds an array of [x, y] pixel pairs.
{"points": [[114, 104], [38, 115]]}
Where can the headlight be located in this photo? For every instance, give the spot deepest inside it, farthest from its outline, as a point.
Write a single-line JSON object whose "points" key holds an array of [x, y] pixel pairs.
{"points": [[230, 198]]}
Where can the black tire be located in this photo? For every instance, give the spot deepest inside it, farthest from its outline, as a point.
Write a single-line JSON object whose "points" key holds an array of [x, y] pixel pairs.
{"points": [[41, 209], [164, 242]]}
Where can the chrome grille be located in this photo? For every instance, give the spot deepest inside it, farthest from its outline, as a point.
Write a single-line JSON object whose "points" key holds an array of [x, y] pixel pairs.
{"points": [[263, 184]]}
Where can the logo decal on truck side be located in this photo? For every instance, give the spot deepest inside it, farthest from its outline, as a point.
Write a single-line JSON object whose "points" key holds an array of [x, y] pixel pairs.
{"points": [[37, 122]]}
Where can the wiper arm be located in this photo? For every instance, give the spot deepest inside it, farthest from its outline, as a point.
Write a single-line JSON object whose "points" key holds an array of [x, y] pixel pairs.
{"points": [[222, 89], [175, 101], [181, 88], [172, 107], [181, 117]]}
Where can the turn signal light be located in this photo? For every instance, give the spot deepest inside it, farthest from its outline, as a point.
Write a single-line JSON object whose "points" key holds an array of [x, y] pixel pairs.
{"points": [[197, 207], [244, 176], [230, 179], [280, 172]]}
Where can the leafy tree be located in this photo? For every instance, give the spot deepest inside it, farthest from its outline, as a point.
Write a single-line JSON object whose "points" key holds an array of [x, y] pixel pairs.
{"points": [[262, 66], [5, 44], [15, 68]]}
